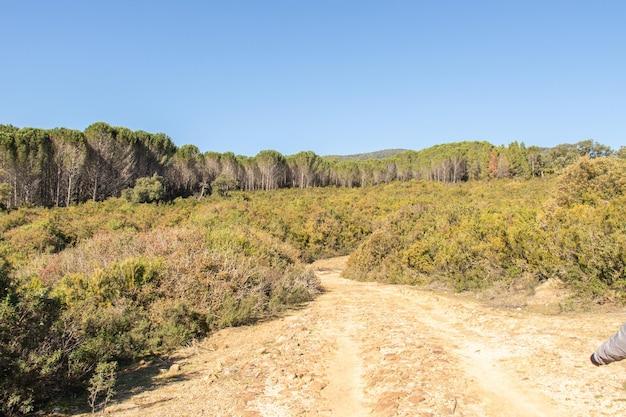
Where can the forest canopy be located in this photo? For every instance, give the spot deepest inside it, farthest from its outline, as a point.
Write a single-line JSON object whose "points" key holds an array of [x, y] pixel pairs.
{"points": [[59, 167]]}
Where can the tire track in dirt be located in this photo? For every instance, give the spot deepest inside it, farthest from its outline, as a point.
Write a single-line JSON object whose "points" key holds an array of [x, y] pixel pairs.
{"points": [[344, 392], [364, 349]]}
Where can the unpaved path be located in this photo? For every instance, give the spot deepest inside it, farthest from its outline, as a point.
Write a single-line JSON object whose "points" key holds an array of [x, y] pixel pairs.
{"points": [[364, 349]]}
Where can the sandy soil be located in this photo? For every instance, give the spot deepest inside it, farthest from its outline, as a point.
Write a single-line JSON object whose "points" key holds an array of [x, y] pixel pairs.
{"points": [[364, 349]]}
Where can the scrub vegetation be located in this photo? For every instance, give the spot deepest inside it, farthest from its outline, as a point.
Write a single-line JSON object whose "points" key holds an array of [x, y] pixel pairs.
{"points": [[99, 284]]}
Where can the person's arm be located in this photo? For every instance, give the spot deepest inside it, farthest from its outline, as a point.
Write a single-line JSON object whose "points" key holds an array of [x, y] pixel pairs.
{"points": [[612, 350]]}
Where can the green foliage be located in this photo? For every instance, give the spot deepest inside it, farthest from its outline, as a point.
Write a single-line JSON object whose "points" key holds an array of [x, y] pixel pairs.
{"points": [[60, 167], [293, 288], [224, 184], [146, 190], [101, 385], [6, 284], [129, 278], [5, 192], [114, 280], [170, 324], [369, 261], [43, 235], [32, 351], [124, 280], [465, 238], [592, 181], [369, 155], [509, 234]]}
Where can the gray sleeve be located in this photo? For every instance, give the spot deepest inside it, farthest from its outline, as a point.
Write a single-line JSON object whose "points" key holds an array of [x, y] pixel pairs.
{"points": [[614, 349]]}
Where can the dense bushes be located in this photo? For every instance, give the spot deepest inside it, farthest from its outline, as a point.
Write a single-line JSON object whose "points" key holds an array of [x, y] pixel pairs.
{"points": [[31, 350], [104, 282], [129, 282], [513, 234], [587, 230]]}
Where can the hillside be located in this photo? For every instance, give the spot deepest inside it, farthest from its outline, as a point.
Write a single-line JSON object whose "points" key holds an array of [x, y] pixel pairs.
{"points": [[105, 284], [382, 154], [365, 349]]}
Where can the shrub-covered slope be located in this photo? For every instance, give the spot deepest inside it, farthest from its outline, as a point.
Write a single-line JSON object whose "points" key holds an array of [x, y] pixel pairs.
{"points": [[113, 281], [510, 234]]}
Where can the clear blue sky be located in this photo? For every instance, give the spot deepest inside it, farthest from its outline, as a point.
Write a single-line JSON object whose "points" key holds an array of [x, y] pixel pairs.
{"points": [[331, 76]]}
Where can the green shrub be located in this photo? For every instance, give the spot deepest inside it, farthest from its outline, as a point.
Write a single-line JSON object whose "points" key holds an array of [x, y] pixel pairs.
{"points": [[101, 385], [40, 236], [292, 289], [33, 357], [236, 311], [591, 181], [129, 279], [224, 184], [146, 190], [171, 324]]}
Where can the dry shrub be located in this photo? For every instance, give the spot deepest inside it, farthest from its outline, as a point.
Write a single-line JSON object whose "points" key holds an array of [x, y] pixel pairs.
{"points": [[182, 281], [41, 236]]}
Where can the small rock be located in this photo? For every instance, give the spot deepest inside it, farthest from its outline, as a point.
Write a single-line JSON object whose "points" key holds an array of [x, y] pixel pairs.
{"points": [[417, 398]]}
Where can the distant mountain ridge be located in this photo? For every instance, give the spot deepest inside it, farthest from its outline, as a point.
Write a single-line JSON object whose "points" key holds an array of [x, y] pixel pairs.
{"points": [[382, 154]]}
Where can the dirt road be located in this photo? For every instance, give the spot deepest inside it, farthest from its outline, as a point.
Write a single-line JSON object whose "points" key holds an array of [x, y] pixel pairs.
{"points": [[364, 349]]}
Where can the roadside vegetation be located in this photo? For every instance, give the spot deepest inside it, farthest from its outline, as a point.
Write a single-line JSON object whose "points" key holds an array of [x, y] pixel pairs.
{"points": [[93, 286], [506, 236], [116, 281]]}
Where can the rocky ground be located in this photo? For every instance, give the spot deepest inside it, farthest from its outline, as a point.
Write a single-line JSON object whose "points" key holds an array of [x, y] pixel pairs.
{"points": [[364, 349]]}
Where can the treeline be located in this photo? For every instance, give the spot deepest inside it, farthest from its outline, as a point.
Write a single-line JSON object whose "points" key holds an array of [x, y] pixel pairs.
{"points": [[59, 167]]}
